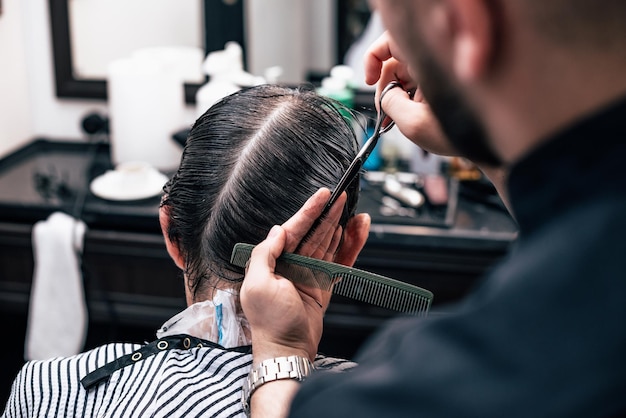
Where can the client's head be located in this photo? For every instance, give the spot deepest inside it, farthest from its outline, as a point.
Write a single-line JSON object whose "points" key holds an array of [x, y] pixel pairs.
{"points": [[250, 162]]}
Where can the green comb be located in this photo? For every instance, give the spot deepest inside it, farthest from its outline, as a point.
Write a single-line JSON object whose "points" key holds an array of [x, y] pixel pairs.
{"points": [[345, 281]]}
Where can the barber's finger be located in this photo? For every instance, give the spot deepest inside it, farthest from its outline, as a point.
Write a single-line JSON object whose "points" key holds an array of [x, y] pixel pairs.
{"points": [[393, 70], [334, 244], [317, 244], [375, 55], [263, 258], [399, 105], [354, 237], [383, 62], [326, 245], [327, 234], [417, 122], [418, 96], [299, 224], [259, 276]]}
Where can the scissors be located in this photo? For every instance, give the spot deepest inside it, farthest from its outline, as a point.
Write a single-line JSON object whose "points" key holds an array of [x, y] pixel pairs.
{"points": [[356, 164]]}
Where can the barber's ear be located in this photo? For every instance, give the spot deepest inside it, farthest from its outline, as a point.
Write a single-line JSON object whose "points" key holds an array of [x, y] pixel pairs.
{"points": [[354, 238], [172, 247], [472, 31]]}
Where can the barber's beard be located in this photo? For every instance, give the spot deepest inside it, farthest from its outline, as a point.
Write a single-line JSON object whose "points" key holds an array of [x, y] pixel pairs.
{"points": [[463, 129]]}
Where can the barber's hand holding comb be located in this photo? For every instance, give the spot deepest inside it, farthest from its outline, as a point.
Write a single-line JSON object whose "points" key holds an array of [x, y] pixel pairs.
{"points": [[286, 319]]}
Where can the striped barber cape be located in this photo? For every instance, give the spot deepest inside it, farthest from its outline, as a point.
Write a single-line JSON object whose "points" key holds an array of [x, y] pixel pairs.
{"points": [[177, 376]]}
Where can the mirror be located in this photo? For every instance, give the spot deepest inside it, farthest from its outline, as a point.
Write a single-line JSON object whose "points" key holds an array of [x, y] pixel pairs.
{"points": [[80, 59], [95, 43]]}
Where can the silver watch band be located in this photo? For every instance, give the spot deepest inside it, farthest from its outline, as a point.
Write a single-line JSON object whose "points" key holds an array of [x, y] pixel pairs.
{"points": [[292, 367]]}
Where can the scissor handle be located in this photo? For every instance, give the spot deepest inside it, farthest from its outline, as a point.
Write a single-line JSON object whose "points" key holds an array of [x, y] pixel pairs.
{"points": [[381, 113]]}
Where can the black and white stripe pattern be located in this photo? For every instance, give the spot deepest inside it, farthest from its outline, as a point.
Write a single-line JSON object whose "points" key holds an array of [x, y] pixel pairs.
{"points": [[200, 381]]}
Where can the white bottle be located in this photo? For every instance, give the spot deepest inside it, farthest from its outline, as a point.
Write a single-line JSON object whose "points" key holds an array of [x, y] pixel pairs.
{"points": [[220, 67]]}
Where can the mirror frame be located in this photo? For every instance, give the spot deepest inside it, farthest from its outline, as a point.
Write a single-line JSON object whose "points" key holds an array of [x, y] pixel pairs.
{"points": [[223, 21]]}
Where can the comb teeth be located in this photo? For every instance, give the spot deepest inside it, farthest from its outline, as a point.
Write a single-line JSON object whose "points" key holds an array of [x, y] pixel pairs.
{"points": [[415, 301], [241, 254], [345, 281]]}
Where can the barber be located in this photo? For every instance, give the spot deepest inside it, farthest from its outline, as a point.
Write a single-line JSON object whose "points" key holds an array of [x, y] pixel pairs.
{"points": [[535, 93]]}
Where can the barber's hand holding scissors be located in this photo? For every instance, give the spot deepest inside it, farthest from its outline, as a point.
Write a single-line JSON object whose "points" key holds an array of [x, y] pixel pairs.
{"points": [[411, 113]]}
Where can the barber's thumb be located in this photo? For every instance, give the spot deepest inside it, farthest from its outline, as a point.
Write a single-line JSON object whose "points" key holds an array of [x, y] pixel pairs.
{"points": [[274, 232], [264, 255], [395, 103], [276, 239]]}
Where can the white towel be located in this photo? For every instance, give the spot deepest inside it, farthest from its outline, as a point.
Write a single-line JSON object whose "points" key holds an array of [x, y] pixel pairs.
{"points": [[57, 319]]}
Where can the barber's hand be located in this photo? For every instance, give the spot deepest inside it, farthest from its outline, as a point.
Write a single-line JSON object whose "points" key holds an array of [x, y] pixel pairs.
{"points": [[412, 115], [286, 319]]}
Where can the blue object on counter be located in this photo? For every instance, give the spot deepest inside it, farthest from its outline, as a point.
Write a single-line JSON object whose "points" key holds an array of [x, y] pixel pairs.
{"points": [[374, 161]]}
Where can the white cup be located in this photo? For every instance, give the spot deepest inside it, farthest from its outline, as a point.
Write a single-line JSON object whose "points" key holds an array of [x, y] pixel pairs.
{"points": [[134, 174]]}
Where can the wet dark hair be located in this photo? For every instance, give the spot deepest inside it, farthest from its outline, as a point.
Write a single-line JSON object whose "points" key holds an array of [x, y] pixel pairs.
{"points": [[250, 162]]}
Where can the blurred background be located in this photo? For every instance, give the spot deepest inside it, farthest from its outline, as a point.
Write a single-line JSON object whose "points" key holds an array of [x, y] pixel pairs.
{"points": [[88, 85], [55, 53]]}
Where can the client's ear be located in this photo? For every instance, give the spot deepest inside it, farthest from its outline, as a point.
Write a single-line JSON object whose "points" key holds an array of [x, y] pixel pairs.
{"points": [[354, 238], [172, 248]]}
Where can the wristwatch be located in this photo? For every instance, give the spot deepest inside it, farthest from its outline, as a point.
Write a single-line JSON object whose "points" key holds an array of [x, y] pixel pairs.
{"points": [[292, 367]]}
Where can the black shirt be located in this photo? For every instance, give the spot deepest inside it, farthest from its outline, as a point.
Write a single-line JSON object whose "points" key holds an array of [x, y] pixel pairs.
{"points": [[544, 335]]}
